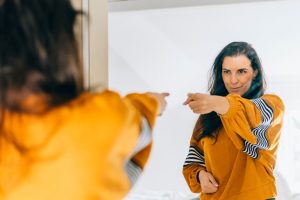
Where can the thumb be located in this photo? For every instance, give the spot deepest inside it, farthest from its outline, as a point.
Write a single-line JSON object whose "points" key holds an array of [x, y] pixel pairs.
{"points": [[213, 181], [187, 101]]}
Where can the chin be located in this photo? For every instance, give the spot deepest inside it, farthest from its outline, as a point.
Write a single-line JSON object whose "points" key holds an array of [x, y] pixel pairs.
{"points": [[238, 93]]}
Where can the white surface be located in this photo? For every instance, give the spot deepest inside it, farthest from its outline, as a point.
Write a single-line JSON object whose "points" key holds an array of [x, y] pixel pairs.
{"points": [[153, 195], [284, 193], [121, 5], [173, 49]]}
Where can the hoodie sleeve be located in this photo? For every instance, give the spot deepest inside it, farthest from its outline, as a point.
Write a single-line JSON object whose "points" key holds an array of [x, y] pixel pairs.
{"points": [[254, 125], [147, 109], [194, 163]]}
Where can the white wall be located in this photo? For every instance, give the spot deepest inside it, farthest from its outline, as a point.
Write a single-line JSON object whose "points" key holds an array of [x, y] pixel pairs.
{"points": [[172, 50]]}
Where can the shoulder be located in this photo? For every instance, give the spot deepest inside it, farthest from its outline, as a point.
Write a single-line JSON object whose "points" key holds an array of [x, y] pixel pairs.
{"points": [[106, 98], [106, 103], [274, 101]]}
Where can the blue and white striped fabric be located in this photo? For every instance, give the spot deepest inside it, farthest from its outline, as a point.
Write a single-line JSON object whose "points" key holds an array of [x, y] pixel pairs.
{"points": [[261, 130], [145, 136], [194, 157], [132, 169]]}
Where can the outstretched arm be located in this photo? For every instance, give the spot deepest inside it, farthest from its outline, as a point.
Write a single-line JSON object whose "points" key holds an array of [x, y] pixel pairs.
{"points": [[205, 103]]}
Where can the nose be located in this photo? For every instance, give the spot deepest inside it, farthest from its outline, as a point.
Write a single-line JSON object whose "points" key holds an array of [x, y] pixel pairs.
{"points": [[233, 79]]}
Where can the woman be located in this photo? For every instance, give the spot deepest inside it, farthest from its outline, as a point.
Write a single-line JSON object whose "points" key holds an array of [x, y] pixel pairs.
{"points": [[234, 144], [58, 141]]}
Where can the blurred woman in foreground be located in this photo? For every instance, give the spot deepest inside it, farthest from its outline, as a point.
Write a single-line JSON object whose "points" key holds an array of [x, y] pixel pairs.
{"points": [[58, 141]]}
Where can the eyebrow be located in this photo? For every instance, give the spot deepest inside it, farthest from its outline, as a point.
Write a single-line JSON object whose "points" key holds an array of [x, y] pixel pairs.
{"points": [[238, 69]]}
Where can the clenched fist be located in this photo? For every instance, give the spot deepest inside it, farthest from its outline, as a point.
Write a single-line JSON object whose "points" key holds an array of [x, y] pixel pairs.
{"points": [[204, 103], [208, 182]]}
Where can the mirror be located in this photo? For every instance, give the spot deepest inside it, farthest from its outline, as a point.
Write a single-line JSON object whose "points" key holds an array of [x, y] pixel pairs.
{"points": [[171, 48]]}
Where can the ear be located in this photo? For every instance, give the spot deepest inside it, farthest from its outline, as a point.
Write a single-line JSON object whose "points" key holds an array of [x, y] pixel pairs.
{"points": [[255, 74]]}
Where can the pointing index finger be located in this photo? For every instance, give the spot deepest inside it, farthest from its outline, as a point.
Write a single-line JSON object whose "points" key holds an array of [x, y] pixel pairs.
{"points": [[165, 94]]}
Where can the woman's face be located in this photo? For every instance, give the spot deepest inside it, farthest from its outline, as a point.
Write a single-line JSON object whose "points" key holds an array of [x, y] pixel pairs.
{"points": [[237, 74]]}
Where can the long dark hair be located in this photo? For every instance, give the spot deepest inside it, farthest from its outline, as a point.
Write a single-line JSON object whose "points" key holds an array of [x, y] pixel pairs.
{"points": [[208, 125], [38, 57], [38, 52]]}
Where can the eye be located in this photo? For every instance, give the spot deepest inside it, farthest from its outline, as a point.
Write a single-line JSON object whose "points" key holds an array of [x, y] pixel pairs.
{"points": [[242, 71], [225, 71]]}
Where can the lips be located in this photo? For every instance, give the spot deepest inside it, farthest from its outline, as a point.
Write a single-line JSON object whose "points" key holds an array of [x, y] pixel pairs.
{"points": [[235, 88]]}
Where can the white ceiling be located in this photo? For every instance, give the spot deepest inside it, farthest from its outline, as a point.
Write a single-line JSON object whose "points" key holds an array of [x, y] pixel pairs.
{"points": [[126, 5]]}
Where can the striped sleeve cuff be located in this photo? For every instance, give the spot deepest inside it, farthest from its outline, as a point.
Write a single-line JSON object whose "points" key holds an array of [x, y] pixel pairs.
{"points": [[194, 157], [132, 168]]}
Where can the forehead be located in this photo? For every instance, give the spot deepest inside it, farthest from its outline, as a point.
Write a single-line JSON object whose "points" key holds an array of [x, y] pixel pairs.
{"points": [[236, 62]]}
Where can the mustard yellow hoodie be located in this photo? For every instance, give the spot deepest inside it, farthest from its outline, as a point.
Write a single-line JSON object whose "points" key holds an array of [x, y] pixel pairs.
{"points": [[242, 156], [92, 148]]}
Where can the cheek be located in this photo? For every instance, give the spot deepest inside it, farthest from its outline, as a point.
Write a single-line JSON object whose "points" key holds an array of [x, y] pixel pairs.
{"points": [[247, 82], [225, 80]]}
